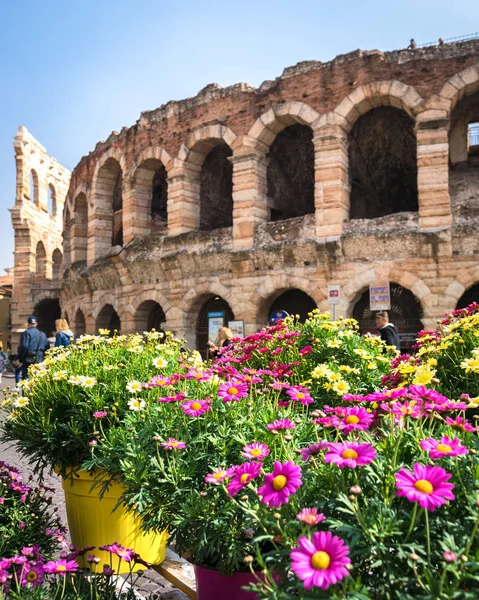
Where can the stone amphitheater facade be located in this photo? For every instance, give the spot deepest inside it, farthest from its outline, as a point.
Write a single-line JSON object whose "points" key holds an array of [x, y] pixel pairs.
{"points": [[245, 200]]}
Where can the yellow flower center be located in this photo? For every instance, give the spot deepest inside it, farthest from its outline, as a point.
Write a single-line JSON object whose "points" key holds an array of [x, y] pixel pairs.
{"points": [[349, 454], [320, 560], [443, 448], [218, 475], [279, 482], [256, 452], [174, 444], [300, 396], [424, 486], [232, 391], [32, 576], [196, 406], [61, 568], [244, 478], [352, 420]]}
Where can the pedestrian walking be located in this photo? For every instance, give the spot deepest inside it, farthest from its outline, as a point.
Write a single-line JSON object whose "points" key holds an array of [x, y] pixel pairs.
{"points": [[64, 336], [387, 330], [32, 347], [223, 339]]}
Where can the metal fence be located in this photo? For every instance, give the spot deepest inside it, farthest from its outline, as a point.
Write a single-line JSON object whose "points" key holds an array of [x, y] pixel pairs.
{"points": [[452, 40]]}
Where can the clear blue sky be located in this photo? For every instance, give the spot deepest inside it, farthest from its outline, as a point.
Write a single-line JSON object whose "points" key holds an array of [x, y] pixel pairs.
{"points": [[72, 71]]}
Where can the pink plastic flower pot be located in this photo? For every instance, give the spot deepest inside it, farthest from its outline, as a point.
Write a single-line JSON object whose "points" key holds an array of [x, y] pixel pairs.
{"points": [[212, 585]]}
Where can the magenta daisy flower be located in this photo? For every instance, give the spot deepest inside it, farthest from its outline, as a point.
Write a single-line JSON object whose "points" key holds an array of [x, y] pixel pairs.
{"points": [[426, 485], [306, 350], [99, 414], [233, 390], [408, 408], [310, 516], [219, 475], [243, 474], [32, 574], [62, 567], [350, 454], [173, 444], [195, 408], [313, 450], [419, 392], [443, 447], [355, 419], [255, 451], [460, 424], [280, 484], [299, 394], [321, 561], [120, 551], [281, 424]]}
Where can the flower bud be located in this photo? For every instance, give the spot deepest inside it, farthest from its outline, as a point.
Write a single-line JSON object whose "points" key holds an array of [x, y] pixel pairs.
{"points": [[349, 567], [413, 556], [355, 489], [244, 498], [203, 494], [449, 556], [277, 516], [464, 558], [288, 437], [315, 414], [248, 559]]}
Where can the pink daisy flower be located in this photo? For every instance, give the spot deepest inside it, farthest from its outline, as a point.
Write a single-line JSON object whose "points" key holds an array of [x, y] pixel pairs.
{"points": [[219, 475], [233, 390], [300, 394], [419, 392], [331, 421], [443, 447], [313, 450], [255, 451], [280, 484], [310, 516], [242, 475], [426, 485], [62, 567], [120, 551], [32, 574], [99, 414], [281, 424], [173, 444], [350, 454], [460, 424], [355, 419], [195, 408], [352, 398], [321, 561], [413, 409], [306, 350]]}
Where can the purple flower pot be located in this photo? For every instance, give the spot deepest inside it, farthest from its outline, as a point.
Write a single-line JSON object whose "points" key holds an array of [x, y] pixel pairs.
{"points": [[212, 585]]}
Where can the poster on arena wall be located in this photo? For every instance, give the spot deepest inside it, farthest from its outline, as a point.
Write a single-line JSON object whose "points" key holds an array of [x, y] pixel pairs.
{"points": [[379, 296], [216, 320], [237, 328]]}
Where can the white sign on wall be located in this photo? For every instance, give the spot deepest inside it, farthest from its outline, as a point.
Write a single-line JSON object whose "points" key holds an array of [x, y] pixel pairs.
{"points": [[334, 294]]}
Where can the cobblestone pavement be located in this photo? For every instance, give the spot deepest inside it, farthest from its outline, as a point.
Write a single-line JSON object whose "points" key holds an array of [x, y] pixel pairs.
{"points": [[150, 583]]}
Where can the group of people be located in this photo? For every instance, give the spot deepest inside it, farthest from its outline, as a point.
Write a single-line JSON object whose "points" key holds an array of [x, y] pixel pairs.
{"points": [[33, 345]]}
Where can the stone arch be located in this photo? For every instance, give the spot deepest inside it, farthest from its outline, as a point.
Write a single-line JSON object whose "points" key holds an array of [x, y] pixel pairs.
{"points": [[40, 262], [47, 311], [34, 188], [205, 305], [108, 318], [57, 264], [149, 190], [103, 300], [79, 323], [107, 196], [463, 282], [79, 228], [382, 160], [273, 121], [366, 97], [149, 315], [204, 159], [461, 84]]}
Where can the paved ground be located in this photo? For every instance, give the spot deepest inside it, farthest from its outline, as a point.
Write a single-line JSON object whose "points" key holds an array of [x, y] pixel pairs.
{"points": [[151, 582]]}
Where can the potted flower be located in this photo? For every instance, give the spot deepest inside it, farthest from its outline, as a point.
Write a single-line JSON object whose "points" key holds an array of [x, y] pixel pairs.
{"points": [[69, 404]]}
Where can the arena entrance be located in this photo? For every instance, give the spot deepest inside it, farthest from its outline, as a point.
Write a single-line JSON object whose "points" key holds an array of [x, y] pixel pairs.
{"points": [[47, 312], [294, 302], [405, 313], [215, 308], [471, 295]]}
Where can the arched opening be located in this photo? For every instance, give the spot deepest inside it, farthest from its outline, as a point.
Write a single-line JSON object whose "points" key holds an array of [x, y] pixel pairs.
{"points": [[40, 263], [79, 326], [66, 234], [149, 315], [293, 302], [79, 240], [47, 312], [405, 313], [213, 314], [108, 319], [290, 174], [108, 202], [57, 262], [51, 200], [159, 198], [382, 164], [150, 190], [216, 189], [34, 196], [471, 295], [464, 157], [117, 239]]}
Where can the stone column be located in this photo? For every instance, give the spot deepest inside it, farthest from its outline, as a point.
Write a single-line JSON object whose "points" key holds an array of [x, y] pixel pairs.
{"points": [[183, 198], [137, 195], [433, 173], [331, 181], [249, 194]]}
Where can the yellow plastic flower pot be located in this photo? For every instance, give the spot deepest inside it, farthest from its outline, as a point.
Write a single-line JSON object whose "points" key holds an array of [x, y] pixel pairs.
{"points": [[93, 522]]}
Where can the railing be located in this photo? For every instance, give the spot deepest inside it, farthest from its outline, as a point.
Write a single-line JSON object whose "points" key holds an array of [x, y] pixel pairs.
{"points": [[473, 135], [452, 40]]}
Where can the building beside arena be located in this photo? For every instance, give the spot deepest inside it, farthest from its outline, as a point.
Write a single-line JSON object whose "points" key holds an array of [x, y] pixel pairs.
{"points": [[244, 201]]}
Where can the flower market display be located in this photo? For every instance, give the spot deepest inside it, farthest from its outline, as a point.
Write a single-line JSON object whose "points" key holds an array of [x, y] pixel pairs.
{"points": [[306, 454]]}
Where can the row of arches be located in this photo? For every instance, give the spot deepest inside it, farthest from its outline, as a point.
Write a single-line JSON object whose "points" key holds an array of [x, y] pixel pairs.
{"points": [[34, 192], [48, 268], [379, 135]]}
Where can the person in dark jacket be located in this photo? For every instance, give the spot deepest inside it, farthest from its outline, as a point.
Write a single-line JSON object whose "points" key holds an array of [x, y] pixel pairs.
{"points": [[387, 330], [64, 336], [32, 347]]}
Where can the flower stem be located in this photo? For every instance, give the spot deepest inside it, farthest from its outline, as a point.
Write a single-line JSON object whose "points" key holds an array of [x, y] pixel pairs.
{"points": [[413, 522], [428, 537]]}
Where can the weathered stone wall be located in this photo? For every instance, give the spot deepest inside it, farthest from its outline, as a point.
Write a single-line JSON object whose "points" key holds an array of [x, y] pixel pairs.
{"points": [[38, 253]]}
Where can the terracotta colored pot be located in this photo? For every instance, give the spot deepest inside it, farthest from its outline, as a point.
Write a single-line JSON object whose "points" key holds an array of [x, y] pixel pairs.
{"points": [[212, 585]]}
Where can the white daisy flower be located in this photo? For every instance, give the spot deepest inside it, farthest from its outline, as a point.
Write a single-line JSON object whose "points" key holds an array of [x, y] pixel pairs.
{"points": [[136, 404], [133, 387]]}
